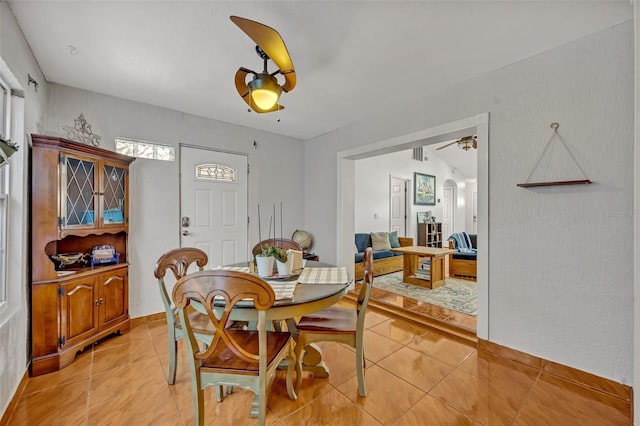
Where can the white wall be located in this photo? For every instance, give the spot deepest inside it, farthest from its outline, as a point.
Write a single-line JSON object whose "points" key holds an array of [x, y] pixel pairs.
{"points": [[554, 290], [16, 61], [636, 215], [277, 173], [372, 194]]}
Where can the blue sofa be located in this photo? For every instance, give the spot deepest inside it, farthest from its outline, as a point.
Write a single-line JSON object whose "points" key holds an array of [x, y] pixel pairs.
{"points": [[464, 265], [384, 261]]}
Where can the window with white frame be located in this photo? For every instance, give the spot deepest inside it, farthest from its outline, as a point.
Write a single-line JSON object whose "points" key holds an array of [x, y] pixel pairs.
{"points": [[144, 149], [5, 97]]}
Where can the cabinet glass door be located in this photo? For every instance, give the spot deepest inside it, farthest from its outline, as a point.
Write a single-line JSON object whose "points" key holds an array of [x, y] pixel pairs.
{"points": [[79, 203], [113, 183]]}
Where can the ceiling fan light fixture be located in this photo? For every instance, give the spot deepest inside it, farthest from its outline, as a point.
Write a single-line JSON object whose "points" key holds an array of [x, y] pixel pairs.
{"points": [[265, 91], [466, 143]]}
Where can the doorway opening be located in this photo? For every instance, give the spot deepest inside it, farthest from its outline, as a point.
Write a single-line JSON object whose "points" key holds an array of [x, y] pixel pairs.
{"points": [[346, 208]]}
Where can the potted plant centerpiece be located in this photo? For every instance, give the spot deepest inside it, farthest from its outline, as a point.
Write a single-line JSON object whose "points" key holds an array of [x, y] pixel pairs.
{"points": [[284, 262], [265, 259], [269, 253]]}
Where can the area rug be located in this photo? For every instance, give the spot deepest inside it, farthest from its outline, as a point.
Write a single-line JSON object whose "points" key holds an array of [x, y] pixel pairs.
{"points": [[455, 294]]}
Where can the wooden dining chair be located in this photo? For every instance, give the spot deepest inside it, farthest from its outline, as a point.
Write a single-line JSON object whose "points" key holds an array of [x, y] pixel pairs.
{"points": [[342, 325], [178, 261], [237, 357]]}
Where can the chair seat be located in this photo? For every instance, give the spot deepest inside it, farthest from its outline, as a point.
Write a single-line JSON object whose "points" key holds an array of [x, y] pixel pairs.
{"points": [[224, 360], [330, 320]]}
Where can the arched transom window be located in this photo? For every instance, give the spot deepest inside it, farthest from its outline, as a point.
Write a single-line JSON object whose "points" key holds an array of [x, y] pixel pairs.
{"points": [[216, 172]]}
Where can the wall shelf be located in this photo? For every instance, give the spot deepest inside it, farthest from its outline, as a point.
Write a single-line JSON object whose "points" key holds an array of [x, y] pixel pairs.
{"points": [[555, 183], [585, 181]]}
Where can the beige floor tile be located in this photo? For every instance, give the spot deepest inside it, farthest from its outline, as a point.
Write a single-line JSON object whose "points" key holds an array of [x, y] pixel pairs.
{"points": [[332, 408], [60, 405], [122, 381], [416, 368], [341, 361], [441, 348], [140, 377], [377, 346], [401, 331], [116, 356], [234, 410], [533, 414], [310, 389], [373, 318], [430, 411], [80, 369], [479, 399], [153, 406], [384, 403], [583, 404]]}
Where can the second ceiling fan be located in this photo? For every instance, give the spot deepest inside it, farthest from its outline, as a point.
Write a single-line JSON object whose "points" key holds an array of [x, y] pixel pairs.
{"points": [[263, 91], [465, 143]]}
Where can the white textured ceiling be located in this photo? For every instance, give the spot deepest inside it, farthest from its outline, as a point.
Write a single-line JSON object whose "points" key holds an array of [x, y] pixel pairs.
{"points": [[352, 59]]}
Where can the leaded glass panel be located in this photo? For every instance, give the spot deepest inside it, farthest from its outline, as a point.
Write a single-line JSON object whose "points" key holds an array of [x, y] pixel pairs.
{"points": [[80, 192], [216, 172], [113, 201]]}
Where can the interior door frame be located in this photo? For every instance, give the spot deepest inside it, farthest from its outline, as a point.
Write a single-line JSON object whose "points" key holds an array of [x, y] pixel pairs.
{"points": [[406, 202], [217, 150], [438, 133]]}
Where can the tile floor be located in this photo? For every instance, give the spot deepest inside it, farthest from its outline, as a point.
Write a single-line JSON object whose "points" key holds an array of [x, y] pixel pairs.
{"points": [[415, 376]]}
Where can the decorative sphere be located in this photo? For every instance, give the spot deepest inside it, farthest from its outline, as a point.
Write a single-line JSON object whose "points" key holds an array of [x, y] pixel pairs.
{"points": [[303, 238]]}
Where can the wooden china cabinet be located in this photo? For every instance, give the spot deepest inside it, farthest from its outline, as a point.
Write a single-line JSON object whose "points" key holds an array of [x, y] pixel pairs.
{"points": [[79, 200]]}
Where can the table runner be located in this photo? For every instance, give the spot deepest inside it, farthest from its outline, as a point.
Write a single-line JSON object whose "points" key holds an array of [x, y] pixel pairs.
{"points": [[324, 276], [282, 289]]}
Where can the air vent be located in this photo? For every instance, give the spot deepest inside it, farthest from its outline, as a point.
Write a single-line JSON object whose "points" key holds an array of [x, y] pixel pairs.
{"points": [[418, 155]]}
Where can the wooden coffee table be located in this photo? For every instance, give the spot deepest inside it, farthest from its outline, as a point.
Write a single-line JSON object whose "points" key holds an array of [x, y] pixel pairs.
{"points": [[431, 277]]}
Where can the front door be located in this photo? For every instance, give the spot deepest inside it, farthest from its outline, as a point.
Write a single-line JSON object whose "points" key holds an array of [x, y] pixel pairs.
{"points": [[398, 203], [213, 203]]}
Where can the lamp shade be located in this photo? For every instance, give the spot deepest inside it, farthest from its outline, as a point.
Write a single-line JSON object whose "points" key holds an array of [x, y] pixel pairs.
{"points": [[265, 91], [7, 149]]}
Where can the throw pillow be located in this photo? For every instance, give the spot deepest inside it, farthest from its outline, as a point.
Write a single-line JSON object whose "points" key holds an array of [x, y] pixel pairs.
{"points": [[393, 239], [380, 241], [362, 242]]}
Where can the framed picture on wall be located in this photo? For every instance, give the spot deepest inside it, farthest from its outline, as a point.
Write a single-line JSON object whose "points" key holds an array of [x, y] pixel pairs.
{"points": [[424, 189]]}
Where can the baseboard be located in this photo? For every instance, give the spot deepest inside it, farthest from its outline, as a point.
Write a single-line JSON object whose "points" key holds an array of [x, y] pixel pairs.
{"points": [[138, 321], [570, 374], [6, 416]]}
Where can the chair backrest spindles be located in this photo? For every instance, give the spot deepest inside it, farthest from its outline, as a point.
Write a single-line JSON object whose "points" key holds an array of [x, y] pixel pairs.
{"points": [[178, 262], [231, 287]]}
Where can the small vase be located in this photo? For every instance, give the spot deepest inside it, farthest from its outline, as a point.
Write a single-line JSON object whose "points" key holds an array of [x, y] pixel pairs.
{"points": [[265, 265], [285, 268]]}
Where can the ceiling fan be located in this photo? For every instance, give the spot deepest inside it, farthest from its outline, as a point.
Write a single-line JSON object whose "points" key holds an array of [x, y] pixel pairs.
{"points": [[263, 91], [465, 143]]}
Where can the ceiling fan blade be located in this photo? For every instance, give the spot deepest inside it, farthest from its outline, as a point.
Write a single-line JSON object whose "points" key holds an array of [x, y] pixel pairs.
{"points": [[243, 90], [449, 144], [272, 44]]}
